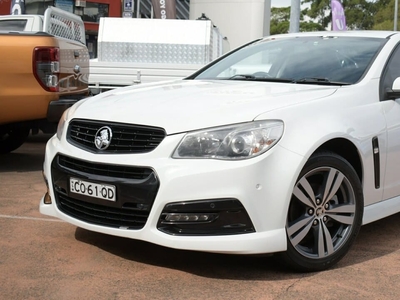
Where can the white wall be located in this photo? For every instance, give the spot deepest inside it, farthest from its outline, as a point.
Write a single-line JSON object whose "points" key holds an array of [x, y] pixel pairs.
{"points": [[240, 21]]}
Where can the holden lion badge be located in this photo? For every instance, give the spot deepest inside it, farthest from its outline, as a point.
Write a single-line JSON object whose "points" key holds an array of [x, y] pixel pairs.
{"points": [[103, 138]]}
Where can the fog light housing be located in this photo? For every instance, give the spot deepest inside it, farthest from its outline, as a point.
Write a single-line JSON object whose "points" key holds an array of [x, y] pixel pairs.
{"points": [[205, 217]]}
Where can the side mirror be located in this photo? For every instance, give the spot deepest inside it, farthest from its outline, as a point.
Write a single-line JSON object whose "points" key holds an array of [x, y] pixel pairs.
{"points": [[394, 93]]}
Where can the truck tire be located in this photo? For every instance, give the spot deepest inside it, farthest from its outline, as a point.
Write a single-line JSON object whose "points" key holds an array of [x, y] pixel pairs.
{"points": [[12, 138]]}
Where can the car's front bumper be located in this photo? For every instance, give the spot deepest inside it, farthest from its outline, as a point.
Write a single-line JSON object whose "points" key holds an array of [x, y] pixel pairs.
{"points": [[263, 186]]}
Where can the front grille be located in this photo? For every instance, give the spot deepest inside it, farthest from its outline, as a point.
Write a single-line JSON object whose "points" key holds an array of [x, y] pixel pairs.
{"points": [[136, 189], [116, 171], [126, 218], [126, 138]]}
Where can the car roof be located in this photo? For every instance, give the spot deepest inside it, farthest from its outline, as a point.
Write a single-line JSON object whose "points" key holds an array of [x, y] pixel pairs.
{"points": [[347, 33]]}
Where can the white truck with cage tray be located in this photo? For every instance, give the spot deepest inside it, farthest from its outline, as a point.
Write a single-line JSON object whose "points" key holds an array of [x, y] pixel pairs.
{"points": [[132, 51]]}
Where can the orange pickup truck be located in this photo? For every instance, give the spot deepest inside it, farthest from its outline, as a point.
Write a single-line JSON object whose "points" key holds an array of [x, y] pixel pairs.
{"points": [[44, 69]]}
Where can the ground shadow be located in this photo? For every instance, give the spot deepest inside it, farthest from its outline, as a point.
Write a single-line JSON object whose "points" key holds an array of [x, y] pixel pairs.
{"points": [[368, 246], [210, 265], [29, 157]]}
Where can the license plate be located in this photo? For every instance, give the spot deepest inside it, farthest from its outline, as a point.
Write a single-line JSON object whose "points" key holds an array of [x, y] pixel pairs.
{"points": [[101, 191]]}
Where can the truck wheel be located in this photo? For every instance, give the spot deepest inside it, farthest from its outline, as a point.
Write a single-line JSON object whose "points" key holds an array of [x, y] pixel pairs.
{"points": [[12, 138], [325, 213]]}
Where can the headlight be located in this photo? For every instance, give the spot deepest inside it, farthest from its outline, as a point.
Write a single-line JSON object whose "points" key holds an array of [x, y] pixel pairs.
{"points": [[60, 127], [239, 141]]}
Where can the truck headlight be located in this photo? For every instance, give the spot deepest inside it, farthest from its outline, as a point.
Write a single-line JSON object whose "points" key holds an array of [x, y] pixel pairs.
{"points": [[232, 142]]}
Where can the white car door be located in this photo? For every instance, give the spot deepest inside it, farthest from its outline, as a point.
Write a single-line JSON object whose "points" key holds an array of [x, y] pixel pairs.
{"points": [[391, 179]]}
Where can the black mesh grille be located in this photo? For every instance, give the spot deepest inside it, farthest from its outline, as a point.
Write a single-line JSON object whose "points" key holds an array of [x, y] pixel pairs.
{"points": [[114, 171], [102, 215], [126, 138]]}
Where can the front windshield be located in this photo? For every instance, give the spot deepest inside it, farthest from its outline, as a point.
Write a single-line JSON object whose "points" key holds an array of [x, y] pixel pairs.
{"points": [[341, 60]]}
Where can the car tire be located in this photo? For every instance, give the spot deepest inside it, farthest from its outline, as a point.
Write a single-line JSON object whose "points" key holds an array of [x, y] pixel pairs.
{"points": [[12, 138], [325, 213]]}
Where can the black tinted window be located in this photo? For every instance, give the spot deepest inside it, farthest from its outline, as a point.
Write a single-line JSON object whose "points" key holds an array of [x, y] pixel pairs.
{"points": [[390, 73], [13, 25]]}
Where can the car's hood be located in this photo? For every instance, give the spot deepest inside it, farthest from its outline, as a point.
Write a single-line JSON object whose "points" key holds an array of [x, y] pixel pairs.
{"points": [[186, 105]]}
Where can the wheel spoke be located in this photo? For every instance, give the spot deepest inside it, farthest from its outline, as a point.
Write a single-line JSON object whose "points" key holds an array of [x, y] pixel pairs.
{"points": [[332, 184], [336, 213], [348, 220], [324, 241], [310, 200], [300, 236], [298, 225], [347, 208]]}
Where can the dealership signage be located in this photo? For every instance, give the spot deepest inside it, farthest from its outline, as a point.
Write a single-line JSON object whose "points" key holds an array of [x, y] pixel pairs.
{"points": [[164, 9], [128, 5]]}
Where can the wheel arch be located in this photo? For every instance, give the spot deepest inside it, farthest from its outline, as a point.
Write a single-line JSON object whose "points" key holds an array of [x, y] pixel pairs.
{"points": [[345, 149]]}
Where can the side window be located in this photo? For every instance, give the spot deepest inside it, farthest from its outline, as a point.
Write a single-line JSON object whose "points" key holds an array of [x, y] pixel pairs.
{"points": [[13, 25], [390, 73]]}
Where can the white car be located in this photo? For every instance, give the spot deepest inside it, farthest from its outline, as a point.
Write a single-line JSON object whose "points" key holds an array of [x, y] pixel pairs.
{"points": [[286, 145]]}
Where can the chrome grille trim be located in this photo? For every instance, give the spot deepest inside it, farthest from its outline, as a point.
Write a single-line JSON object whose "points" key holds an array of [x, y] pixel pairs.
{"points": [[127, 138]]}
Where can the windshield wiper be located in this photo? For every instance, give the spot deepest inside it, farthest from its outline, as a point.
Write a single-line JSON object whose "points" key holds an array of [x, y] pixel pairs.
{"points": [[305, 80], [242, 76], [319, 80], [254, 78]]}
